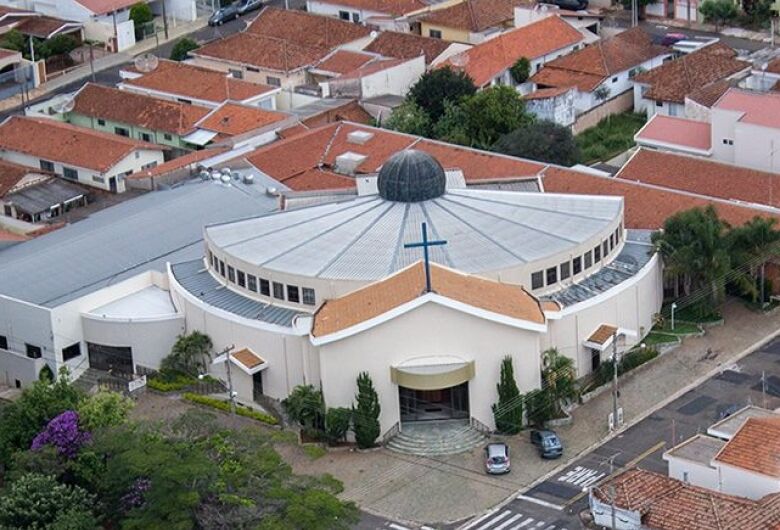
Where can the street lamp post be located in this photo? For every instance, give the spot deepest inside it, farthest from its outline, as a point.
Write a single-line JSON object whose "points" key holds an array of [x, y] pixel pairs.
{"points": [[674, 306], [614, 381]]}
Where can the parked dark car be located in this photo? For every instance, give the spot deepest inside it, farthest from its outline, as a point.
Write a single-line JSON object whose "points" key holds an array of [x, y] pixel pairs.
{"points": [[497, 458], [224, 14], [571, 5], [548, 443], [245, 6]]}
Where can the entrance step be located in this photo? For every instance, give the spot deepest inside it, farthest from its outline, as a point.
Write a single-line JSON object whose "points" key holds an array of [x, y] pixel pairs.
{"points": [[440, 437], [87, 381]]}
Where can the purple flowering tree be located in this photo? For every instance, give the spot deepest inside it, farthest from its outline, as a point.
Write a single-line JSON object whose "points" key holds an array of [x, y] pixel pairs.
{"points": [[135, 498], [62, 433]]}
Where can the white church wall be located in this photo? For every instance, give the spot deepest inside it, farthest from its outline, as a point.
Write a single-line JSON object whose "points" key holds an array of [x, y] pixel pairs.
{"points": [[429, 330], [24, 323]]}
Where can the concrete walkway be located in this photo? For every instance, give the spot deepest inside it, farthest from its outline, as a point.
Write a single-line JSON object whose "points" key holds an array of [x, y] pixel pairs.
{"points": [[446, 489]]}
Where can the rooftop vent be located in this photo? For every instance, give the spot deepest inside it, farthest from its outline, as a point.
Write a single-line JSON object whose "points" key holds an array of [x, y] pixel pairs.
{"points": [[359, 137], [249, 179], [347, 163]]}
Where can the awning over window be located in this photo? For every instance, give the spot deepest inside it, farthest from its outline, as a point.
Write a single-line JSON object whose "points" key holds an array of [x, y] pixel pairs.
{"points": [[432, 373], [199, 137]]}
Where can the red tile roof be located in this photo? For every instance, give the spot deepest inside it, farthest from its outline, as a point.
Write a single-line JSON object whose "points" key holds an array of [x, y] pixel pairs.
{"points": [[675, 79], [703, 177], [305, 29], [491, 58], [4, 53], [677, 132], [589, 67], [42, 26], [390, 7], [754, 447], [407, 45], [773, 67], [343, 61], [646, 206], [474, 15], [708, 95], [101, 7], [668, 504], [99, 101], [61, 142], [232, 119], [262, 52], [758, 108], [11, 174]]}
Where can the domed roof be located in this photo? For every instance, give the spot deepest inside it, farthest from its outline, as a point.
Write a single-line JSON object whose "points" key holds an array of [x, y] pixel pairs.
{"points": [[411, 176]]}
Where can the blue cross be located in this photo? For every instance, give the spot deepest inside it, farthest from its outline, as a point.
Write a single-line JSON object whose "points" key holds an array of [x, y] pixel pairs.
{"points": [[425, 244]]}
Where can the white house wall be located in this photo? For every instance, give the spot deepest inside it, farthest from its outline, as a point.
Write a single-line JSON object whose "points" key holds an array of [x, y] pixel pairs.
{"points": [[332, 10], [694, 473], [20, 323], [744, 483]]}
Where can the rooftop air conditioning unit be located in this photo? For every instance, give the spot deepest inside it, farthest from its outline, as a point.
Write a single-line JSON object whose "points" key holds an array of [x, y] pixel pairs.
{"points": [[359, 137], [249, 179], [347, 163]]}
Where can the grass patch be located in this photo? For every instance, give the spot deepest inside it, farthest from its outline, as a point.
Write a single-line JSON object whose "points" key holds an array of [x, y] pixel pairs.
{"points": [[170, 382], [697, 315], [655, 337], [223, 405], [314, 451], [680, 328], [612, 136]]}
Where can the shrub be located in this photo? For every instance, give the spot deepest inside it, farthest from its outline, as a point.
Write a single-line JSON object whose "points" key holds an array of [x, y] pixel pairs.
{"points": [[221, 404], [182, 48], [190, 355], [718, 12], [508, 412], [170, 381], [521, 70], [539, 407], [64, 433], [366, 412], [104, 409], [306, 407], [39, 501], [544, 141], [337, 421]]}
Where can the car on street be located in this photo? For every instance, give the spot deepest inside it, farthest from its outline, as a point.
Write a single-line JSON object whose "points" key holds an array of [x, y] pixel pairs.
{"points": [[570, 5], [224, 14], [497, 458], [245, 6], [548, 443], [670, 39]]}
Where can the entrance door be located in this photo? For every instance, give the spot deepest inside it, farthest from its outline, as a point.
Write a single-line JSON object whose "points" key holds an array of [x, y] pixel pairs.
{"points": [[257, 386], [442, 404], [595, 360], [110, 358], [112, 184]]}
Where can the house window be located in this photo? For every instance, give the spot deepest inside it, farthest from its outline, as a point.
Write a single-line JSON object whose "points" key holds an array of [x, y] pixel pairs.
{"points": [[344, 15], [251, 283], [308, 296], [576, 265], [293, 294], [47, 166], [146, 137], [252, 69], [434, 33], [565, 270], [33, 352], [222, 268], [265, 287], [70, 173], [356, 18], [617, 235], [279, 290], [241, 279], [98, 178], [3, 342], [588, 260], [237, 74], [168, 137], [726, 141], [273, 81], [71, 352], [659, 103], [552, 275], [231, 274], [597, 253], [614, 79], [150, 165], [101, 122], [605, 248], [121, 131], [611, 241], [537, 280]]}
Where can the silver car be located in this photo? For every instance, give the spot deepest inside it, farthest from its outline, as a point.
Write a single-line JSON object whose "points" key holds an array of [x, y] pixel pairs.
{"points": [[497, 458]]}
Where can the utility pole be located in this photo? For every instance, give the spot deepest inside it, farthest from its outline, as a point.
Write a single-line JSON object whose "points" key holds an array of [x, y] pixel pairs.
{"points": [[165, 21], [612, 495], [614, 382], [91, 61]]}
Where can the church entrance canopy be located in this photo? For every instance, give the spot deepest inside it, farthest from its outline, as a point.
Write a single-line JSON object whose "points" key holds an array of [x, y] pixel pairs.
{"points": [[433, 388]]}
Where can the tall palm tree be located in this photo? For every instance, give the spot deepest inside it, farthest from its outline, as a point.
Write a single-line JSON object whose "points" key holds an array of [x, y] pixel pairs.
{"points": [[752, 245]]}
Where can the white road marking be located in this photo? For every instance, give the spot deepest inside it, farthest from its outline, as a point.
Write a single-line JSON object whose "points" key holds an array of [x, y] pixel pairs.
{"points": [[508, 522], [540, 502], [581, 476], [541, 523], [524, 523], [479, 520], [551, 527], [495, 519], [397, 527]]}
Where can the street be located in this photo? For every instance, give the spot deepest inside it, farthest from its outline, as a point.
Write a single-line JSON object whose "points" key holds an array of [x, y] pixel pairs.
{"points": [[555, 504]]}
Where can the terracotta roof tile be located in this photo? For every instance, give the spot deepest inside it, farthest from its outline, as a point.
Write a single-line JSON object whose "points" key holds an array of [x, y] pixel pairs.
{"points": [[11, 174], [262, 52], [232, 119], [9, 53], [194, 82], [247, 358], [407, 45], [602, 334], [677, 131], [305, 29], [42, 26], [703, 177], [645, 206], [390, 7], [773, 67], [61, 142], [489, 59], [479, 165], [101, 7], [588, 67], [755, 447], [475, 15], [708, 95], [343, 61], [349, 111], [99, 101], [409, 283], [675, 79]]}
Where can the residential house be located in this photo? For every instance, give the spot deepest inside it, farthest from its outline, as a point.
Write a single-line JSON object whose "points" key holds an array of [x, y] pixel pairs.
{"points": [[664, 89], [588, 21], [34, 24], [468, 21], [744, 129], [33, 195], [386, 14], [737, 456], [191, 84], [279, 46], [553, 104], [540, 42], [234, 124], [407, 45], [81, 155], [383, 77], [647, 500], [603, 70]]}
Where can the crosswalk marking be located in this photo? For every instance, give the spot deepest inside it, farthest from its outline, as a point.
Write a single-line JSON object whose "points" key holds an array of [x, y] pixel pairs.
{"points": [[495, 519], [479, 520], [581, 476], [397, 526], [540, 523], [524, 523], [508, 522], [551, 527]]}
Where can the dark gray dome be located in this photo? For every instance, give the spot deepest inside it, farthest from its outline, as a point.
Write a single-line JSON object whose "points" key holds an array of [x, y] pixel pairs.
{"points": [[411, 176]]}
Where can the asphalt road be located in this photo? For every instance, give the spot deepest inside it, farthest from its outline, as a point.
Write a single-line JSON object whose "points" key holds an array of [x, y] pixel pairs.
{"points": [[555, 504]]}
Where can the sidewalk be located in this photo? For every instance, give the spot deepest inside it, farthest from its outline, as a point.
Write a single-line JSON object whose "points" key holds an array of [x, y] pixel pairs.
{"points": [[104, 63], [452, 488]]}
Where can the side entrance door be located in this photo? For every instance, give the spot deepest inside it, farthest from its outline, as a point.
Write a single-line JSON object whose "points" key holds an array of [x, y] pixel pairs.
{"points": [[110, 358]]}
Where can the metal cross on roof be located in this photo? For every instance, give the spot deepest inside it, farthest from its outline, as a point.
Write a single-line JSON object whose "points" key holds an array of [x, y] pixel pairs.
{"points": [[425, 244]]}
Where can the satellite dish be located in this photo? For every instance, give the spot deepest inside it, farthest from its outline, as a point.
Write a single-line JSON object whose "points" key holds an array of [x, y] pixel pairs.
{"points": [[65, 105], [146, 62], [374, 34]]}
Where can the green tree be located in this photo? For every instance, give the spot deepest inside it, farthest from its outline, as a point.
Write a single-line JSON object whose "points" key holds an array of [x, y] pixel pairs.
{"points": [[409, 118], [544, 141], [57, 45], [695, 250], [182, 48], [718, 12], [306, 407], [451, 127], [46, 374], [190, 355], [538, 407], [492, 113], [366, 412], [508, 411], [14, 40], [337, 422], [440, 85], [521, 70], [104, 409], [141, 15], [751, 246], [558, 378], [38, 501]]}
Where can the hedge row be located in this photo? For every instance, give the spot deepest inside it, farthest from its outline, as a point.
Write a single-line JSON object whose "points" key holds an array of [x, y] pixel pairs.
{"points": [[221, 404]]}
